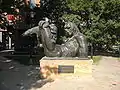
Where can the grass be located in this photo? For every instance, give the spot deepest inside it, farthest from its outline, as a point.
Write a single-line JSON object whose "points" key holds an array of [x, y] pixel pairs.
{"points": [[118, 58], [96, 59]]}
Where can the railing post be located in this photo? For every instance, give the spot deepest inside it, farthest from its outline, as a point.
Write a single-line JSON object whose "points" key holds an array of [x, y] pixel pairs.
{"points": [[91, 50]]}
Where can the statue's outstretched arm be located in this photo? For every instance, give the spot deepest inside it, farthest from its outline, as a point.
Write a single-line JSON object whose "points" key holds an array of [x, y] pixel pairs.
{"points": [[34, 30]]}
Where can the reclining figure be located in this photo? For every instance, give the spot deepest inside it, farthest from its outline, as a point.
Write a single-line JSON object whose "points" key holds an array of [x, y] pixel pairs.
{"points": [[75, 46]]}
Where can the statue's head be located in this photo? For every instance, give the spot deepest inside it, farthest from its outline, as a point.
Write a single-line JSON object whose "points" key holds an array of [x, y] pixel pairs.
{"points": [[71, 28], [68, 29]]}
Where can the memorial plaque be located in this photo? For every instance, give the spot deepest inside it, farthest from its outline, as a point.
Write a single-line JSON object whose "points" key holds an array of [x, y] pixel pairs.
{"points": [[65, 69]]}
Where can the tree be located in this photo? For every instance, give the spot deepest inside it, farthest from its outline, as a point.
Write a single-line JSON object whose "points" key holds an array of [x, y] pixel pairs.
{"points": [[99, 19], [53, 9]]}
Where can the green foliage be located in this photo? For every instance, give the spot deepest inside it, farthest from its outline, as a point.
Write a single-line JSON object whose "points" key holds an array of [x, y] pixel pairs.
{"points": [[96, 59], [102, 20], [77, 5], [6, 4], [118, 59], [53, 8], [72, 18]]}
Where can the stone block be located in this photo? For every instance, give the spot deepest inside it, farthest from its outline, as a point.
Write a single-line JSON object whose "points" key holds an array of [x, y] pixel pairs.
{"points": [[64, 67]]}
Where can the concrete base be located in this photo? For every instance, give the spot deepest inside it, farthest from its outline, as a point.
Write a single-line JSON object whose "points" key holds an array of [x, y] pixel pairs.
{"points": [[63, 67]]}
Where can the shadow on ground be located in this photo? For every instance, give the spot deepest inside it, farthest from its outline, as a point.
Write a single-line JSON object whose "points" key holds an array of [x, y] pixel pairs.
{"points": [[22, 57], [39, 84], [17, 76]]}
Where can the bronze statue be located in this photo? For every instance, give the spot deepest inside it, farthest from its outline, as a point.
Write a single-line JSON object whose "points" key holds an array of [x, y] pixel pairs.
{"points": [[72, 31], [74, 46]]}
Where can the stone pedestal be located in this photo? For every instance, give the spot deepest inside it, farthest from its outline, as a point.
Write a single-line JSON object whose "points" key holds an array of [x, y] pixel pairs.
{"points": [[64, 67]]}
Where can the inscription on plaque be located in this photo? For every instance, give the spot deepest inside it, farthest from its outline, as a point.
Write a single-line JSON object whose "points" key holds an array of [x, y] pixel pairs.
{"points": [[65, 69]]}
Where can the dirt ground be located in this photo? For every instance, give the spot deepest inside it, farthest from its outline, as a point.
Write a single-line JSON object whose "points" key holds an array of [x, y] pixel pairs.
{"points": [[105, 76]]}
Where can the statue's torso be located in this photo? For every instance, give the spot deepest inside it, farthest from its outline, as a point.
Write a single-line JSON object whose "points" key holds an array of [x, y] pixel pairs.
{"points": [[70, 47]]}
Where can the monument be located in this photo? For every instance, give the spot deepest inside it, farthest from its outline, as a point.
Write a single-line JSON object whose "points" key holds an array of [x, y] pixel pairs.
{"points": [[67, 59]]}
